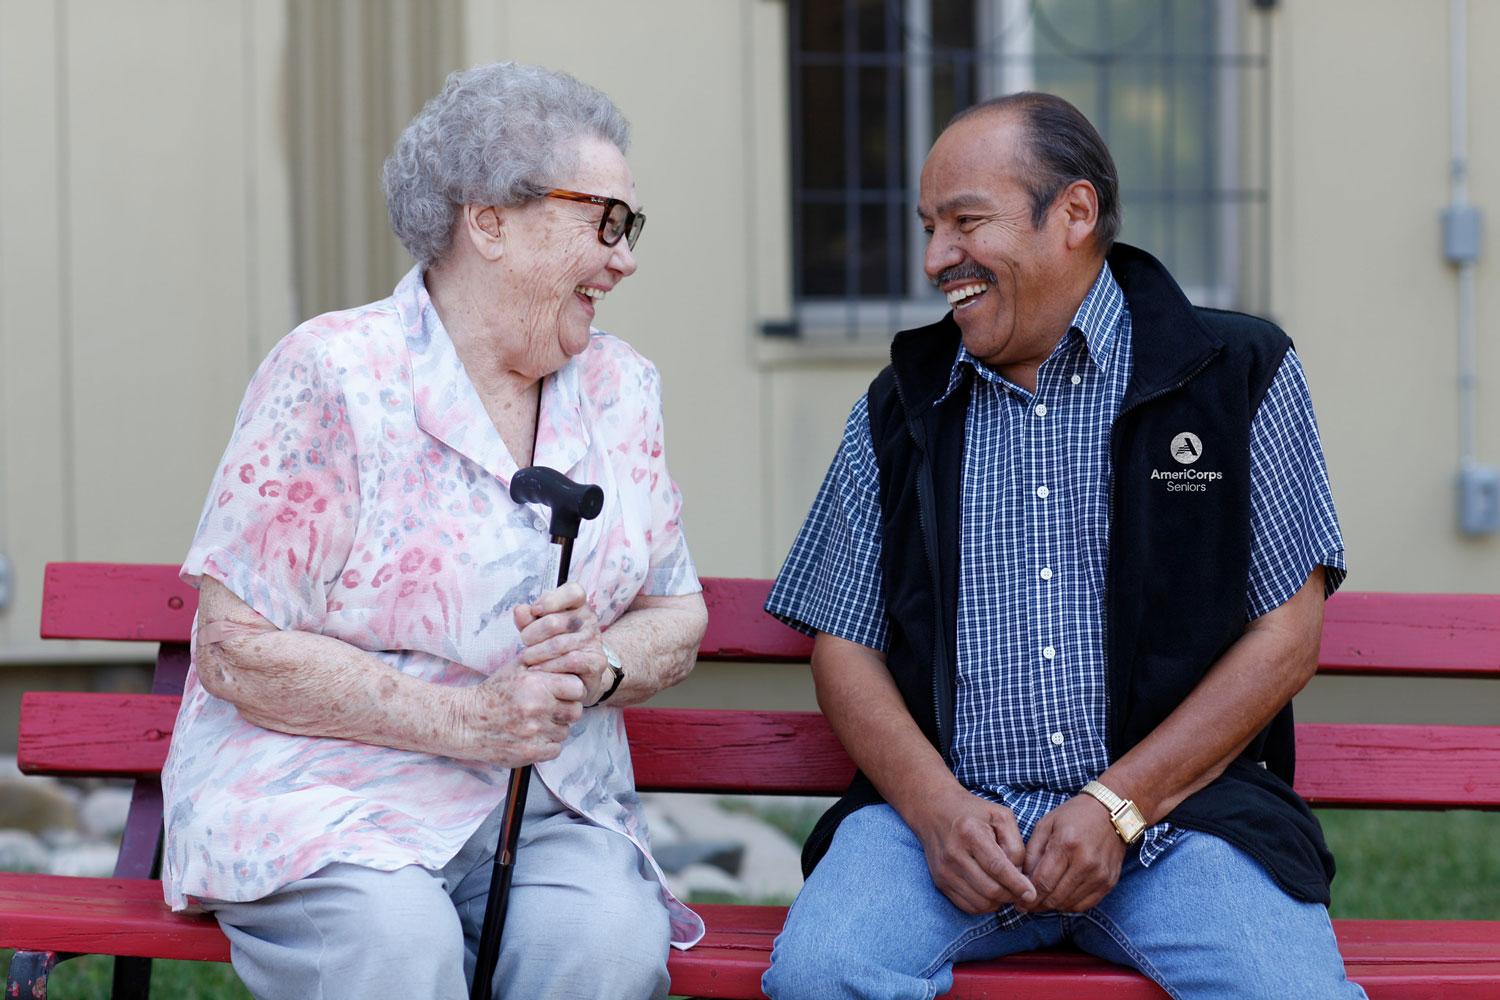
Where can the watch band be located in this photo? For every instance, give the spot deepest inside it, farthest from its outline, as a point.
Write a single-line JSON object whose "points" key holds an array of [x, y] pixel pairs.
{"points": [[612, 659], [1123, 813]]}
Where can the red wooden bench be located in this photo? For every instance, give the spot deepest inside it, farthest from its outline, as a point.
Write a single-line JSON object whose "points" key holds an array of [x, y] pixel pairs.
{"points": [[753, 752]]}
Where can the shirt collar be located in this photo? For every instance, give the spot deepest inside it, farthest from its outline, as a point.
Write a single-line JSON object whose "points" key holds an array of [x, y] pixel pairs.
{"points": [[449, 408], [1097, 321], [1098, 318]]}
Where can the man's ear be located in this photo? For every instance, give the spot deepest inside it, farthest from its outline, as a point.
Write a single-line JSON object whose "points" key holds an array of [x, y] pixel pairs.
{"points": [[485, 227], [1079, 203]]}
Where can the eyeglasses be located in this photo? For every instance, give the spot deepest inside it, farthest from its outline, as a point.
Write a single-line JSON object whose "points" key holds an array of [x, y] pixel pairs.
{"points": [[618, 219]]}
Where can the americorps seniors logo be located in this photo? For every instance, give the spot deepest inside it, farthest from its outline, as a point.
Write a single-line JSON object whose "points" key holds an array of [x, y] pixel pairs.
{"points": [[1187, 448]]}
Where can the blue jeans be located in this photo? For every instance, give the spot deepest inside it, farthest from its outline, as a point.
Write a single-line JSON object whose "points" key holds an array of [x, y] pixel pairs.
{"points": [[1205, 920]]}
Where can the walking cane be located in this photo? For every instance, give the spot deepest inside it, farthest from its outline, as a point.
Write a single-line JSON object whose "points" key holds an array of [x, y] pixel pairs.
{"points": [[569, 502]]}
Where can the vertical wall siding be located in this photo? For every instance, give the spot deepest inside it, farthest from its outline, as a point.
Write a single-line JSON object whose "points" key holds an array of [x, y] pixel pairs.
{"points": [[35, 502], [180, 183], [144, 257]]}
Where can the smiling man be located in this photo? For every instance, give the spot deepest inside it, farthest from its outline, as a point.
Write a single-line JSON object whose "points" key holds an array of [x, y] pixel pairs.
{"points": [[1065, 574]]}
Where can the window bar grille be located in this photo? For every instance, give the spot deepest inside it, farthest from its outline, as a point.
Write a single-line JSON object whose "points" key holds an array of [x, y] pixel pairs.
{"points": [[876, 250], [1233, 212], [895, 198], [920, 65], [851, 162], [798, 73]]}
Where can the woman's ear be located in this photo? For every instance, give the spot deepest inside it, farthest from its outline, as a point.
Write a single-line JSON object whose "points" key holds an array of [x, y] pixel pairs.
{"points": [[485, 227]]}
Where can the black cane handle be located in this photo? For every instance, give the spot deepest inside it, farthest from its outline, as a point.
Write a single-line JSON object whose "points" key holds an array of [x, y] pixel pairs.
{"points": [[569, 502]]}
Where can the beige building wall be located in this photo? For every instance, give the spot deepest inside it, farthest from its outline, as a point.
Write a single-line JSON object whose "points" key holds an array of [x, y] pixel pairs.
{"points": [[144, 253], [153, 210], [1362, 154]]}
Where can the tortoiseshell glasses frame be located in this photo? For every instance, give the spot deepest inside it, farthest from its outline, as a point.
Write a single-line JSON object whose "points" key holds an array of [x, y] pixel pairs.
{"points": [[618, 220]]}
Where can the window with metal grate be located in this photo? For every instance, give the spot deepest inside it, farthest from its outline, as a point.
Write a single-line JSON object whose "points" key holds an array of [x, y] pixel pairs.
{"points": [[1172, 85]]}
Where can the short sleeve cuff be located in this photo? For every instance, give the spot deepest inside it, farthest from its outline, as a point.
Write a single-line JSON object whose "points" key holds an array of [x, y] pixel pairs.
{"points": [[1267, 599], [673, 574], [288, 612], [811, 617]]}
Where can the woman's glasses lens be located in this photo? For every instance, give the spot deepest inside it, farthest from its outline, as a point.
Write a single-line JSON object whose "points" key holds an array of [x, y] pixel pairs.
{"points": [[615, 220], [620, 221]]}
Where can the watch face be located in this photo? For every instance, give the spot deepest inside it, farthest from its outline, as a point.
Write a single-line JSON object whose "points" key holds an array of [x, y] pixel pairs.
{"points": [[1131, 824]]}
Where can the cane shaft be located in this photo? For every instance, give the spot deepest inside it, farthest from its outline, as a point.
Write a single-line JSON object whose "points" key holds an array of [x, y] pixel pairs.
{"points": [[565, 558], [488, 956], [500, 876]]}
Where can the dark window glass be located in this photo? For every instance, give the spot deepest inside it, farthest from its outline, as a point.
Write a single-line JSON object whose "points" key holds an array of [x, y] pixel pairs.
{"points": [[1154, 76]]}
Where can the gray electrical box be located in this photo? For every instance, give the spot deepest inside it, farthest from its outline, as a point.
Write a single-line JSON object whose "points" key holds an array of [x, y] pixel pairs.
{"points": [[1479, 500], [1461, 234]]}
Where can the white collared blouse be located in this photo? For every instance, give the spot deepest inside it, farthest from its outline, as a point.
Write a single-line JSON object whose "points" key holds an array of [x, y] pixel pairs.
{"points": [[364, 495]]}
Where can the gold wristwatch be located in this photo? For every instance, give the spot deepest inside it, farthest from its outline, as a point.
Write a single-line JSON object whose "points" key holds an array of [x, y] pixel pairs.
{"points": [[1128, 821]]}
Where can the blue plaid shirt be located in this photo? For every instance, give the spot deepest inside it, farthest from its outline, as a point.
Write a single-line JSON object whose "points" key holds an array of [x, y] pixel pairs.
{"points": [[1032, 700]]}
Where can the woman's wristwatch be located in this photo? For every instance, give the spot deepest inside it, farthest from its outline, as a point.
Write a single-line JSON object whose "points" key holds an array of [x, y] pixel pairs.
{"points": [[612, 659]]}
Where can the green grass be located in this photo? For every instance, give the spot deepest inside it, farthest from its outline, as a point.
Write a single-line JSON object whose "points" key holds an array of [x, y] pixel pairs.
{"points": [[89, 978], [1414, 865]]}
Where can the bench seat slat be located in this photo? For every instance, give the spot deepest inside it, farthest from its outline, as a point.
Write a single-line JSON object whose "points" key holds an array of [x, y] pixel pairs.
{"points": [[1406, 958], [102, 916], [1431, 767]]}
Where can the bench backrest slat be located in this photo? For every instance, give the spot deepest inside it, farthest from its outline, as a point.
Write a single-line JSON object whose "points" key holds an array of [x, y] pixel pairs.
{"points": [[1431, 767], [149, 603], [1363, 633]]}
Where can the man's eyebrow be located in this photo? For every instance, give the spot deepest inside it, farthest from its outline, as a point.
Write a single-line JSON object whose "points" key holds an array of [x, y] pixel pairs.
{"points": [[966, 199]]}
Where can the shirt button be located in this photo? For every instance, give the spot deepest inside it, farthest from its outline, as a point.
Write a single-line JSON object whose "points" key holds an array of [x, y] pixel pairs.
{"points": [[1041, 409], [1048, 653], [1057, 739], [1076, 379], [1046, 572], [1042, 492]]}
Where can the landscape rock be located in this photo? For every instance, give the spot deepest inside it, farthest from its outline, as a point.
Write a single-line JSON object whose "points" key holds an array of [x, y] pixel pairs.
{"points": [[696, 879], [35, 804], [22, 852], [771, 865], [84, 859], [725, 855], [104, 811]]}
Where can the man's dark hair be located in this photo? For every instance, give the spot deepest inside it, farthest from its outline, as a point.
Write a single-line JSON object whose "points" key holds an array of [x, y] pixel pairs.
{"points": [[1061, 146]]}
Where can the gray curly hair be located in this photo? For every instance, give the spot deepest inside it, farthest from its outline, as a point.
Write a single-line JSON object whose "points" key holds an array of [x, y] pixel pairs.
{"points": [[496, 135]]}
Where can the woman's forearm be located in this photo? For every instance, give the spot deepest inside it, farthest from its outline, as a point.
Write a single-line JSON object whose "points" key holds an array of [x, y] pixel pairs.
{"points": [[314, 685], [657, 643]]}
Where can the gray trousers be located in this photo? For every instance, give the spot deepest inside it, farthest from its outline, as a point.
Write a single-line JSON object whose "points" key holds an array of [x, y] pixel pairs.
{"points": [[585, 921]]}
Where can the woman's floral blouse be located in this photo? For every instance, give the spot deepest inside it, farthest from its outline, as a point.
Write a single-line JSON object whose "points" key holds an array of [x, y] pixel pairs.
{"points": [[365, 496]]}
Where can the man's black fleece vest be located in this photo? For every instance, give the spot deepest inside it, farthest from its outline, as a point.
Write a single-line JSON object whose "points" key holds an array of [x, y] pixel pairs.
{"points": [[1178, 561]]}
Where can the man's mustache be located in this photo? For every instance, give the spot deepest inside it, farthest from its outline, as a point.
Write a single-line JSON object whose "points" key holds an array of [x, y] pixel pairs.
{"points": [[968, 269]]}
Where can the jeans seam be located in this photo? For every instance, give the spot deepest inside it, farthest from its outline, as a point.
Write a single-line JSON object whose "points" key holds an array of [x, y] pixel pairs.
{"points": [[1110, 928], [945, 955]]}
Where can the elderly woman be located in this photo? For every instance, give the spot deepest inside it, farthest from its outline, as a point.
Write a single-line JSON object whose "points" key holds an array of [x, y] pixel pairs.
{"points": [[378, 637]]}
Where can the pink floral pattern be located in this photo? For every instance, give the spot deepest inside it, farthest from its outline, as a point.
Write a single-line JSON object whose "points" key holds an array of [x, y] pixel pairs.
{"points": [[365, 495]]}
